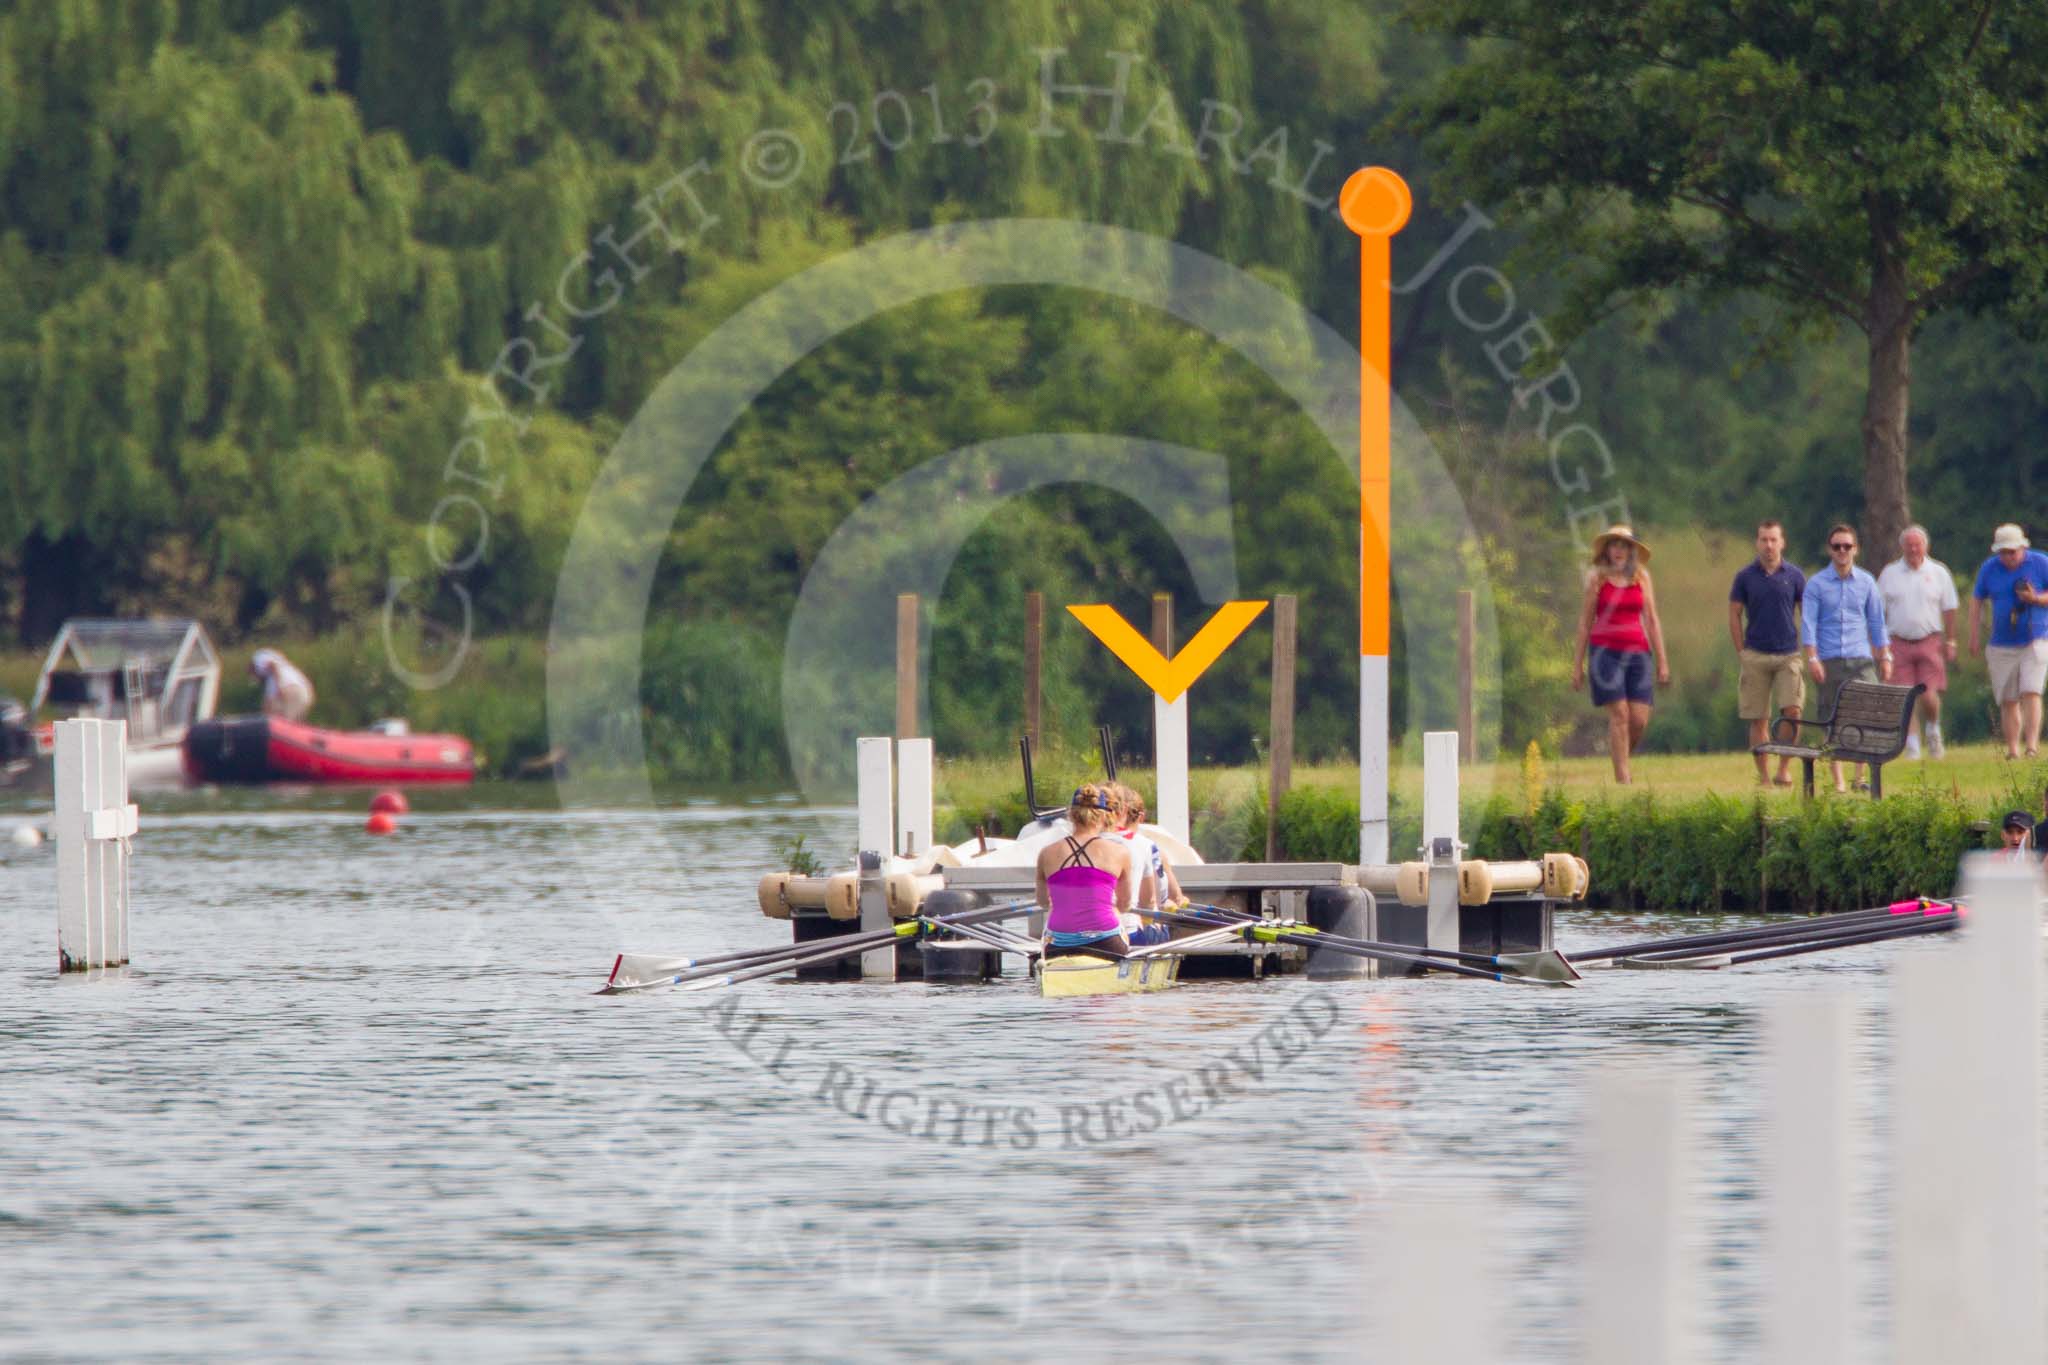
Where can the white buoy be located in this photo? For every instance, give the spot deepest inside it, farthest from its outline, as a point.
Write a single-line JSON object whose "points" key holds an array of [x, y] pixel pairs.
{"points": [[25, 836]]}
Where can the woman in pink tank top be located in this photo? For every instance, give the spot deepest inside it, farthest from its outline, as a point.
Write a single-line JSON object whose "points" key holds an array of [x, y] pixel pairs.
{"points": [[1619, 636], [1085, 879]]}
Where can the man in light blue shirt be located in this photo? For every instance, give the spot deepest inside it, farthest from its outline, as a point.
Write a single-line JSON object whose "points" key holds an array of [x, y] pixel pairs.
{"points": [[1841, 628]]}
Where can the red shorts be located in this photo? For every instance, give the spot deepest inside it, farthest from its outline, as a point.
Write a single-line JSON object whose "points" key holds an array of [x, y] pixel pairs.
{"points": [[1921, 661]]}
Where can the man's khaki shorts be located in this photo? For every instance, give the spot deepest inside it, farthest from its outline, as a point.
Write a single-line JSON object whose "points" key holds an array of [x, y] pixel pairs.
{"points": [[2017, 670], [1769, 684]]}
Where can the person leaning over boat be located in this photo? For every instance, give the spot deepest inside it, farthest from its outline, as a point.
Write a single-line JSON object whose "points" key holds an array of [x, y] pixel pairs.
{"points": [[1618, 624], [1086, 879], [1841, 627], [1920, 614], [1763, 623], [2012, 586], [287, 692]]}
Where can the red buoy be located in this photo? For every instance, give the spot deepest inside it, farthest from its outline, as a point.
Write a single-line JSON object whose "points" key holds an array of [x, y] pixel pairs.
{"points": [[391, 802], [381, 822]]}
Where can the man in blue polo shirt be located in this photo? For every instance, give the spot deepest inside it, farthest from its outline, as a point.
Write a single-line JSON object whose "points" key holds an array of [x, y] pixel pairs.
{"points": [[1841, 624], [1767, 591], [2013, 587]]}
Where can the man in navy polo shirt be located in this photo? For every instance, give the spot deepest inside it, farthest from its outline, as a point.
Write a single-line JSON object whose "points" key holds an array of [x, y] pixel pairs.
{"points": [[1768, 592]]}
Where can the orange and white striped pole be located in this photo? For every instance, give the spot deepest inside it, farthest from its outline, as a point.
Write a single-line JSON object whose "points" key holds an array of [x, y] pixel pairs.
{"points": [[1375, 204]]}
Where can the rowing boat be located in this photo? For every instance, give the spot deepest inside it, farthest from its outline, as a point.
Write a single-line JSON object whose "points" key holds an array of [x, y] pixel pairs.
{"points": [[1080, 975]]}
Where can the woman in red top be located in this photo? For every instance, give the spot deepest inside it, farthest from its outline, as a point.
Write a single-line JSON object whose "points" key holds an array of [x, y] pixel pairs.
{"points": [[1618, 634]]}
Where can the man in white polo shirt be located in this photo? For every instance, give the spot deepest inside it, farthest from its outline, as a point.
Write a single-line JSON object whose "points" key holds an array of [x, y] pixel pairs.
{"points": [[1920, 614]]}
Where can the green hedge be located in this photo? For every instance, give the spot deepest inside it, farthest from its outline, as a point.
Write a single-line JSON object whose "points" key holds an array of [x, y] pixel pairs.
{"points": [[1708, 853]]}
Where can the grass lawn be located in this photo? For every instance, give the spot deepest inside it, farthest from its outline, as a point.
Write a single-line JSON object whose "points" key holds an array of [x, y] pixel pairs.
{"points": [[1978, 773]]}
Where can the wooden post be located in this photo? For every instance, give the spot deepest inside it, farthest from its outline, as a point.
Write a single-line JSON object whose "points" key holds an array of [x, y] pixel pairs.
{"points": [[906, 666], [1034, 663], [1162, 623], [1468, 739], [1280, 728]]}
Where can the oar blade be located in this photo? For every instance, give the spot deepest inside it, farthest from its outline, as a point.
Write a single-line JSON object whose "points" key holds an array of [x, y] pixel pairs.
{"points": [[1546, 965]]}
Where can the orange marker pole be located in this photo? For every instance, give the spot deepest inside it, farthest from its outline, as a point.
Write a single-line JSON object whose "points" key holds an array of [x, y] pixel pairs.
{"points": [[1375, 204]]}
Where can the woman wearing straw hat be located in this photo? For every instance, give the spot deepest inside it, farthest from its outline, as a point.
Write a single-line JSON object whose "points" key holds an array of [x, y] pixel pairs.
{"points": [[1619, 634]]}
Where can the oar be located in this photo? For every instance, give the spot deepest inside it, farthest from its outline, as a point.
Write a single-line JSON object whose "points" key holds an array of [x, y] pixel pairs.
{"points": [[999, 939], [1542, 965], [909, 928], [1789, 933], [1732, 936], [1399, 954], [1790, 946], [678, 971], [1911, 929], [1357, 948]]}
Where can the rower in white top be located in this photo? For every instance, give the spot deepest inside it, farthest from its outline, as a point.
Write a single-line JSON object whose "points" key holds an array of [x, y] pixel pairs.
{"points": [[1920, 615], [286, 691]]}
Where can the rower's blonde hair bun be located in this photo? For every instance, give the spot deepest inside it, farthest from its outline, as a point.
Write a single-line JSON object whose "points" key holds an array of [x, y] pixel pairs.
{"points": [[1094, 805]]}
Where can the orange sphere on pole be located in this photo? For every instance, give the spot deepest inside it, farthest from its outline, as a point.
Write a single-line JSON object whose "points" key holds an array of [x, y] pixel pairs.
{"points": [[1375, 202]]}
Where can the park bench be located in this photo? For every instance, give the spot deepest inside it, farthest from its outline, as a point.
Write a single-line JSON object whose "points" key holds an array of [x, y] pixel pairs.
{"points": [[1868, 725]]}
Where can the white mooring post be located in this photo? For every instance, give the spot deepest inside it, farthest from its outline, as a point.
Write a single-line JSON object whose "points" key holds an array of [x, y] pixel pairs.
{"points": [[1170, 764], [1810, 1313], [913, 796], [92, 825], [1638, 1277], [876, 793], [1967, 1125], [1441, 847]]}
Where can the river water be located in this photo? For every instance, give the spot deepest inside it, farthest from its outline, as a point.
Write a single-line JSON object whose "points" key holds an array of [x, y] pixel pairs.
{"points": [[356, 1099]]}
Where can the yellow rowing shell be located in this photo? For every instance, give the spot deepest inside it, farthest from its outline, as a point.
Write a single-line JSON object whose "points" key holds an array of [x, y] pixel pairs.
{"points": [[1082, 975]]}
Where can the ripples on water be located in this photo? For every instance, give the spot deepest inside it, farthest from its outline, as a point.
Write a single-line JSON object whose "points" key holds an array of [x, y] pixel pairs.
{"points": [[359, 1101]]}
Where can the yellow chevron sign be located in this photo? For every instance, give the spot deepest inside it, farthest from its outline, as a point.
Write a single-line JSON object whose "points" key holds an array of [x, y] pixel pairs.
{"points": [[1168, 677]]}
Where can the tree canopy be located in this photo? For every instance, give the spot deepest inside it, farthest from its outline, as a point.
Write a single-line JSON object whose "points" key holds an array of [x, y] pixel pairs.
{"points": [[260, 258], [1849, 163]]}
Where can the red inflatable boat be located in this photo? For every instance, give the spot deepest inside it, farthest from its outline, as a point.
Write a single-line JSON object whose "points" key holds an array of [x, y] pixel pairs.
{"points": [[271, 749]]}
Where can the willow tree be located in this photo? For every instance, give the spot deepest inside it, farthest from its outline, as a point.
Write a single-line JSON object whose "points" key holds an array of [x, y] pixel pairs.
{"points": [[1849, 162]]}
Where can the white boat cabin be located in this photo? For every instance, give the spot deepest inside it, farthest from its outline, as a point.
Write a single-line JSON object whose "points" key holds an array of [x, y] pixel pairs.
{"points": [[159, 676]]}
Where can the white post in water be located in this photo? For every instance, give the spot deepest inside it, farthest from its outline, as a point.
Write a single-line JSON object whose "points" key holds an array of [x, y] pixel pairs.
{"points": [[914, 796], [876, 795], [1810, 1313], [1638, 1280], [1967, 1123], [1441, 847], [92, 824], [1170, 764]]}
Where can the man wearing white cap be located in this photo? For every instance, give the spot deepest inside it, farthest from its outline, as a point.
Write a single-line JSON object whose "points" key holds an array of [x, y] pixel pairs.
{"points": [[286, 691], [2012, 588], [1920, 613]]}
